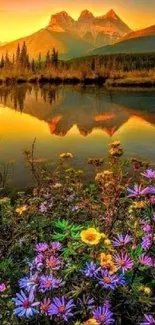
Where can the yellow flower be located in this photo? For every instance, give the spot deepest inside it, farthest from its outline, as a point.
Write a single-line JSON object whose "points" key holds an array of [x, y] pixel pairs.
{"points": [[91, 321], [112, 268], [66, 155], [105, 259], [147, 290], [107, 242], [139, 205], [103, 235], [21, 209], [90, 236], [141, 288]]}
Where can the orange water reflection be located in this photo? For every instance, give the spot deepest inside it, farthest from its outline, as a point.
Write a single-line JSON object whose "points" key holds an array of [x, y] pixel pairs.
{"points": [[83, 121]]}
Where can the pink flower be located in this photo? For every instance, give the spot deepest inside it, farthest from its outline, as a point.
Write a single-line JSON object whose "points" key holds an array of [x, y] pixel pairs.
{"points": [[2, 287]]}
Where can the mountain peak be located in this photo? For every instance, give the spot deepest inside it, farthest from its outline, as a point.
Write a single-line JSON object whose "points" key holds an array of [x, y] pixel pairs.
{"points": [[111, 14], [86, 14], [60, 19]]}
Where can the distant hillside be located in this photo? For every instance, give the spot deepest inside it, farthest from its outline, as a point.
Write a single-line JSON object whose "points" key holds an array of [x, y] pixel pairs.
{"points": [[133, 45], [69, 45]]}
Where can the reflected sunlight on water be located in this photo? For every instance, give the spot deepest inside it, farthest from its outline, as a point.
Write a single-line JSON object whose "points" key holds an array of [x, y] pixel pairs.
{"points": [[81, 121]]}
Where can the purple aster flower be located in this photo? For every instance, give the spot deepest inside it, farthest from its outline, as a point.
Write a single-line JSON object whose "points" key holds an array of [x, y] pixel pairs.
{"points": [[147, 241], [91, 270], [37, 263], [123, 262], [121, 240], [41, 247], [61, 308], [43, 207], [103, 315], [152, 189], [153, 217], [145, 260], [29, 283], [148, 320], [3, 287], [44, 306], [53, 263], [49, 282], [86, 302], [149, 173], [137, 191], [56, 246], [109, 281], [147, 228], [25, 306]]}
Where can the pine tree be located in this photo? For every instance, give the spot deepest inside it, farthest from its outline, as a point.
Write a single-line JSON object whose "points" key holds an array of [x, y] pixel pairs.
{"points": [[23, 56], [47, 60], [39, 61], [2, 62], [18, 56], [33, 65]]}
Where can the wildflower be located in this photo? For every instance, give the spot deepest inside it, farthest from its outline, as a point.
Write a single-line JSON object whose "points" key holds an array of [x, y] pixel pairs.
{"points": [[61, 308], [123, 262], [3, 287], [90, 236], [139, 204], [43, 207], [148, 320], [37, 263], [41, 247], [137, 191], [152, 189], [25, 306], [121, 240], [107, 242], [29, 283], [86, 302], [66, 155], [44, 306], [115, 144], [21, 209], [103, 315], [145, 260], [53, 263], [105, 259], [147, 290], [147, 228], [147, 241], [49, 282], [149, 173], [90, 270], [57, 185], [56, 246], [91, 321], [109, 281]]}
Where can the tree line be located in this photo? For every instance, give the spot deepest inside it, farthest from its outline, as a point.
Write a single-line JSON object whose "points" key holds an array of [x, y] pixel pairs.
{"points": [[21, 60]]}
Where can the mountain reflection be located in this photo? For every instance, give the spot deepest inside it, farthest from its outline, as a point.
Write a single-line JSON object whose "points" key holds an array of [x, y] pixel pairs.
{"points": [[87, 108]]}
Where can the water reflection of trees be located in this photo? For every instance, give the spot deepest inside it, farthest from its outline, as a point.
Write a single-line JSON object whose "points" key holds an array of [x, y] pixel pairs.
{"points": [[87, 108], [16, 94]]}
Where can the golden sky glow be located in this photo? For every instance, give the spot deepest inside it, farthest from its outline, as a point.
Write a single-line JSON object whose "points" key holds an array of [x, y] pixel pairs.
{"points": [[20, 18]]}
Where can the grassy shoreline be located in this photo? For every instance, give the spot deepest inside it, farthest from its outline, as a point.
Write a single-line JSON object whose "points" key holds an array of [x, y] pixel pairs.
{"points": [[101, 81]]}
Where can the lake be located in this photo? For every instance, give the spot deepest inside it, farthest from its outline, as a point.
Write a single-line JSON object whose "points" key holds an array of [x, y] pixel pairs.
{"points": [[73, 119]]}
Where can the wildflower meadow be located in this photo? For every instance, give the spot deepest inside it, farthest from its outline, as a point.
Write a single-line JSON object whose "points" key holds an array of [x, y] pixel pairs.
{"points": [[80, 251]]}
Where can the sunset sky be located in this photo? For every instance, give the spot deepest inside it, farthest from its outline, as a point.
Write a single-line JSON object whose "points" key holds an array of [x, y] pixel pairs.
{"points": [[20, 18]]}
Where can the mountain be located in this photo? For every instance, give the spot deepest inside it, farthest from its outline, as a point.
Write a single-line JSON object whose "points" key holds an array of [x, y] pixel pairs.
{"points": [[101, 30], [140, 41], [72, 38]]}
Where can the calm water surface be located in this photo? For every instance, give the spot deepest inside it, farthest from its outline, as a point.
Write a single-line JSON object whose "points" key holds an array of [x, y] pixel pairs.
{"points": [[72, 119]]}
